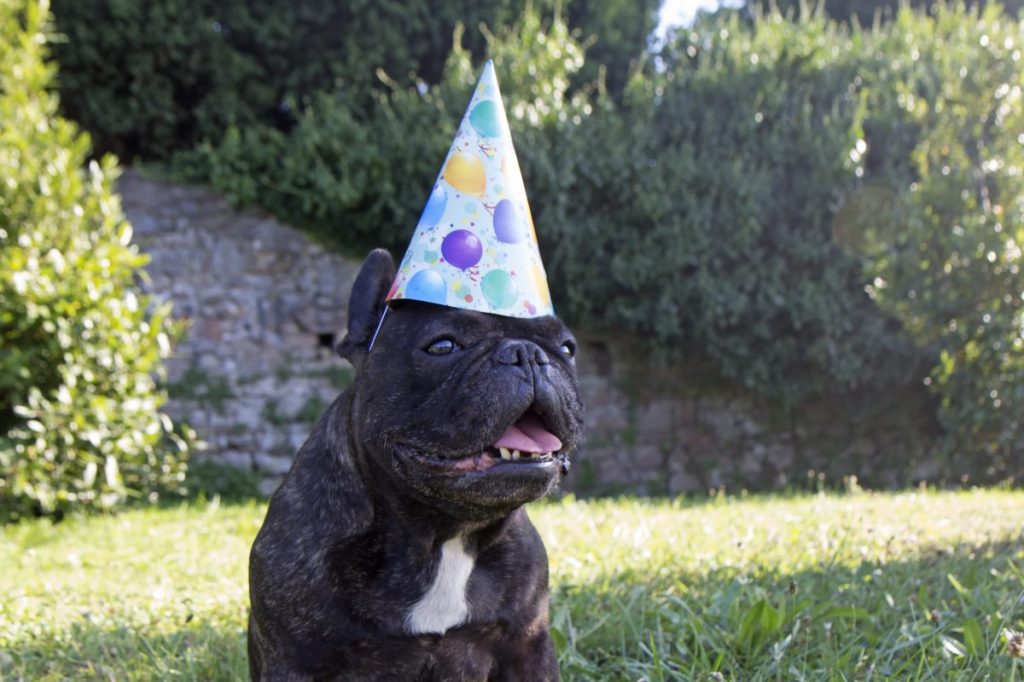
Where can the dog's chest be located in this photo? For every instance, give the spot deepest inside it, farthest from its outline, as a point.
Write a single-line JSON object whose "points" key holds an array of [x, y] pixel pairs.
{"points": [[444, 605]]}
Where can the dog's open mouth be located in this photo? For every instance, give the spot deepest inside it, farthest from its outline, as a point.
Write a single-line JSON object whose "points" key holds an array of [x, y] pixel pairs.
{"points": [[526, 442]]}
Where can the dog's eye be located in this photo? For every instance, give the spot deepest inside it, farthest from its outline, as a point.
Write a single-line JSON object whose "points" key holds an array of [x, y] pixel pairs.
{"points": [[443, 347], [568, 349]]}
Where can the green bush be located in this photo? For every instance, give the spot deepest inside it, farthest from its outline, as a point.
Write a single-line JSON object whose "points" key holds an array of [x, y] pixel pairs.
{"points": [[160, 77], [864, 11], [699, 215], [946, 260], [163, 76], [816, 207], [209, 479], [359, 180], [80, 424]]}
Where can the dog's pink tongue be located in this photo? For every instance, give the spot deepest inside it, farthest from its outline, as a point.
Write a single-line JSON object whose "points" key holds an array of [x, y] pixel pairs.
{"points": [[529, 435]]}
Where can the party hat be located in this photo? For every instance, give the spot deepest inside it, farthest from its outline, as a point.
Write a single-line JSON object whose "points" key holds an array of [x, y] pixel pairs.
{"points": [[475, 246]]}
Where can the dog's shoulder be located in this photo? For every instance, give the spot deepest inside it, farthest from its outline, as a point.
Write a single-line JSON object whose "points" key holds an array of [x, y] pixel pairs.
{"points": [[321, 502]]}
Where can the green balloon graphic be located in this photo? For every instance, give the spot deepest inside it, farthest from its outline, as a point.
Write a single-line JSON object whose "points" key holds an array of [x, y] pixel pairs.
{"points": [[484, 118], [499, 289]]}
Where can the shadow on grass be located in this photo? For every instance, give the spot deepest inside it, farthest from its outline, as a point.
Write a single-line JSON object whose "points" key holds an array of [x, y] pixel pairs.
{"points": [[940, 616], [88, 651]]}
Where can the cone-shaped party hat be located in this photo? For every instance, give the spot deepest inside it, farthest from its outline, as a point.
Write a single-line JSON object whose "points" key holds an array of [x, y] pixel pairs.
{"points": [[475, 246]]}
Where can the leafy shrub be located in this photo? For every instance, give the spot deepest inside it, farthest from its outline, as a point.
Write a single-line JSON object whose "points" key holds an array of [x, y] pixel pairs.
{"points": [[209, 479], [358, 180], [699, 215], [80, 424], [774, 173], [947, 259], [161, 77], [865, 11]]}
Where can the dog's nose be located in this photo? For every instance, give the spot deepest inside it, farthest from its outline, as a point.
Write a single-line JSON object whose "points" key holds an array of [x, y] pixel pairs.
{"points": [[519, 352]]}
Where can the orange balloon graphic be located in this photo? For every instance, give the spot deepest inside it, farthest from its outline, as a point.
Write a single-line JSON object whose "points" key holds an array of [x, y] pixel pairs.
{"points": [[465, 173]]}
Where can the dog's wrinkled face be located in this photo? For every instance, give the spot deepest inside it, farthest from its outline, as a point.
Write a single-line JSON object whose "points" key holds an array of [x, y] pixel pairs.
{"points": [[473, 413]]}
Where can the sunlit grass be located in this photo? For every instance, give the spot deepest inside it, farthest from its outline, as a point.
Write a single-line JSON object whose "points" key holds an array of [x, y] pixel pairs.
{"points": [[908, 586]]}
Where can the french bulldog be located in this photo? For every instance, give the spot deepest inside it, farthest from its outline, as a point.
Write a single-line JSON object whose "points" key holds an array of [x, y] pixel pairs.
{"points": [[397, 547]]}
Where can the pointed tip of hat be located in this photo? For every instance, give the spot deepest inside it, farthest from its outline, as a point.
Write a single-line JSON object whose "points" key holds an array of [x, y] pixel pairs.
{"points": [[488, 73]]}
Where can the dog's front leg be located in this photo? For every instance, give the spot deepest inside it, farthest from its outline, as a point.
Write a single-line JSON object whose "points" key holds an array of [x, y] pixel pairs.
{"points": [[266, 665], [277, 672], [530, 659]]}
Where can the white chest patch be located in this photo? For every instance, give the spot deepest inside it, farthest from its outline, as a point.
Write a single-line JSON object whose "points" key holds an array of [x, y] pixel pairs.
{"points": [[444, 605]]}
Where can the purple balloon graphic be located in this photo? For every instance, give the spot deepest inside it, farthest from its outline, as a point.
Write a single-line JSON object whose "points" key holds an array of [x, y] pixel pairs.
{"points": [[436, 204], [508, 226], [462, 249]]}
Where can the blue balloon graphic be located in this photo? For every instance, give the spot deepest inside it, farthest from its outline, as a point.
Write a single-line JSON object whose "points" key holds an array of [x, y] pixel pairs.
{"points": [[434, 210], [484, 118], [427, 285]]}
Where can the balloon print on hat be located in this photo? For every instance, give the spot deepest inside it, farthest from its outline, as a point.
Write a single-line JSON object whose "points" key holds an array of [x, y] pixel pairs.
{"points": [[484, 118], [462, 249], [434, 210], [465, 172], [499, 289], [427, 285], [508, 225], [540, 282]]}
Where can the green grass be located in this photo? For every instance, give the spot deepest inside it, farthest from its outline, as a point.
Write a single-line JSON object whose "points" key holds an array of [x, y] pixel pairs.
{"points": [[912, 586]]}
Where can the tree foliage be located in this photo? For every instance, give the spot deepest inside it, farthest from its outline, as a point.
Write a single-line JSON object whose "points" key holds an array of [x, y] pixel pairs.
{"points": [[80, 421], [699, 215], [163, 76], [865, 12], [615, 34], [947, 259], [358, 179]]}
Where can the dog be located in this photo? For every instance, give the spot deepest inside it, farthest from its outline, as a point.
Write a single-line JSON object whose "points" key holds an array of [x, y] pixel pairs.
{"points": [[397, 547]]}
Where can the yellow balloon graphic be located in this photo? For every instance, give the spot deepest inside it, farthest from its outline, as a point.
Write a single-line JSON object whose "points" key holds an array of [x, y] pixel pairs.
{"points": [[465, 173], [540, 281], [533, 230]]}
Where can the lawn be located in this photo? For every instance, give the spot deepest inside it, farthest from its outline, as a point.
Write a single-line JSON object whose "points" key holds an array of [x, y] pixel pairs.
{"points": [[909, 586]]}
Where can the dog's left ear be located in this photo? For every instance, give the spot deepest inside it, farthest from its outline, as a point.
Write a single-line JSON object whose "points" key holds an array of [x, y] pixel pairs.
{"points": [[366, 305]]}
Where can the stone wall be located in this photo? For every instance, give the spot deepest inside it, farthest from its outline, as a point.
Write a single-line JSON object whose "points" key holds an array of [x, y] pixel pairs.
{"points": [[668, 430], [266, 305]]}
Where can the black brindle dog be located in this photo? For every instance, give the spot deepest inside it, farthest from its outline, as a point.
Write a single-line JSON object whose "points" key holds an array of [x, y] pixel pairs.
{"points": [[397, 547]]}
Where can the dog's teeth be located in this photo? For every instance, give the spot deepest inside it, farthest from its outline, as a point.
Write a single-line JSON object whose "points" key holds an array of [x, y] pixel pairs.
{"points": [[505, 454], [534, 455], [515, 454]]}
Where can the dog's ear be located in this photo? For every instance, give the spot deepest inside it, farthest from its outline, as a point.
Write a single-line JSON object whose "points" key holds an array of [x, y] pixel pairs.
{"points": [[366, 305]]}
